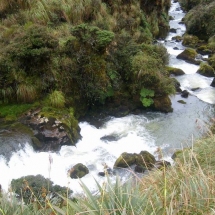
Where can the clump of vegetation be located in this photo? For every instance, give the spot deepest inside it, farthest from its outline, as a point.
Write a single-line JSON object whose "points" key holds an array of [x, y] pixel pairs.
{"points": [[37, 187], [56, 99], [206, 70], [11, 112], [198, 21]]}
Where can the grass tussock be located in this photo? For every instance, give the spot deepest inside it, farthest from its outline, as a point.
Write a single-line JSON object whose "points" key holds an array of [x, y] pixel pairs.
{"points": [[188, 187]]}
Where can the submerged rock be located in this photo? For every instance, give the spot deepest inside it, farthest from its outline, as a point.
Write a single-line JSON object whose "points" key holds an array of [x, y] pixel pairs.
{"points": [[111, 137], [181, 101]]}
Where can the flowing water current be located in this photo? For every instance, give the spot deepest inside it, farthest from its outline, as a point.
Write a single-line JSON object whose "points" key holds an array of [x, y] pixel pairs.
{"points": [[134, 133]]}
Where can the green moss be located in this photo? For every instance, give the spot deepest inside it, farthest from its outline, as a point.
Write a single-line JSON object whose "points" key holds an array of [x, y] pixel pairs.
{"points": [[174, 71], [206, 70], [190, 41], [13, 111], [66, 116], [200, 21], [211, 61]]}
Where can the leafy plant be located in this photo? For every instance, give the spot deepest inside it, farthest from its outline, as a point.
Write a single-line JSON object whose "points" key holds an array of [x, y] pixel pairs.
{"points": [[145, 97]]}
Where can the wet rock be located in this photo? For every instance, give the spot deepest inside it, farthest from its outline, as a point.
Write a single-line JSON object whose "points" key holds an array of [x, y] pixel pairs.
{"points": [[204, 50], [177, 85], [140, 169], [112, 137], [171, 18], [78, 171], [176, 48], [173, 30], [144, 159], [162, 163], [163, 104], [50, 133], [181, 101], [184, 94], [175, 71], [213, 83], [177, 38], [189, 56], [125, 160], [101, 174], [195, 89]]}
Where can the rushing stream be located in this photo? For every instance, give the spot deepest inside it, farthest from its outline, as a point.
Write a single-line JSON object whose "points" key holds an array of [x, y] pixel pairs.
{"points": [[133, 133]]}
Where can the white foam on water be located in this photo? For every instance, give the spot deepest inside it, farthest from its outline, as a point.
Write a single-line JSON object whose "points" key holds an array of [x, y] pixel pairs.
{"points": [[207, 95], [90, 151]]}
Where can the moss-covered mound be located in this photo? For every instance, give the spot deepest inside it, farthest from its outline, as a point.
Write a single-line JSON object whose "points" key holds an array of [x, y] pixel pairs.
{"points": [[174, 71], [206, 70], [143, 159], [191, 41], [78, 171], [189, 55], [200, 20]]}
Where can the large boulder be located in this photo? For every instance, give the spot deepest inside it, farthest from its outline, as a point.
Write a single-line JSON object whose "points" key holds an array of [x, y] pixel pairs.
{"points": [[206, 70], [174, 71], [78, 171], [143, 160], [125, 160], [189, 55], [50, 133]]}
